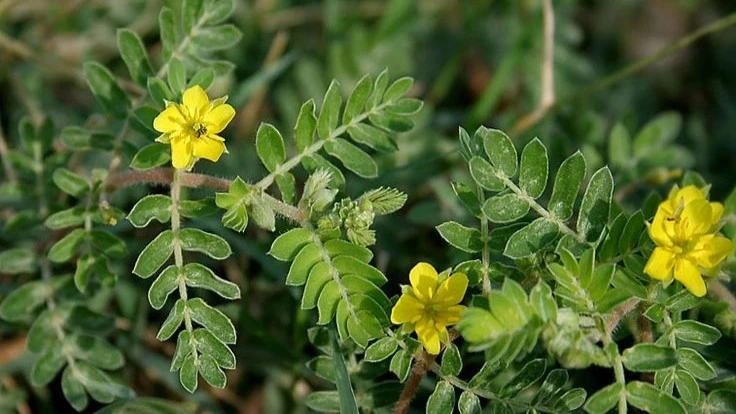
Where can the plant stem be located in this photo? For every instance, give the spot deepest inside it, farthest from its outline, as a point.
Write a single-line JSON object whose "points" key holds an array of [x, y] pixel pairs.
{"points": [[178, 256], [266, 181], [547, 73], [540, 210], [422, 364], [334, 273], [668, 324], [165, 176], [485, 253], [616, 362], [631, 69], [618, 313]]}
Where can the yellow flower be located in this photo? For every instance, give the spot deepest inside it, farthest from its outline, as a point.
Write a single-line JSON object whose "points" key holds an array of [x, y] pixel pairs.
{"points": [[192, 127], [430, 305], [684, 230]]}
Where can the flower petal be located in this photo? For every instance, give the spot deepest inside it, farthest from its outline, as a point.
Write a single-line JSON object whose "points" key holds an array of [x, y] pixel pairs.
{"points": [[407, 309], [695, 219], [195, 100], [683, 196], [710, 250], [218, 117], [452, 290], [449, 316], [423, 277], [660, 263], [169, 120], [428, 336], [716, 213], [181, 152], [657, 230], [208, 148], [688, 274]]}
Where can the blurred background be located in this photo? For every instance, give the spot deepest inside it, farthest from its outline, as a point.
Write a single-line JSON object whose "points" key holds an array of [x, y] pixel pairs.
{"points": [[476, 62]]}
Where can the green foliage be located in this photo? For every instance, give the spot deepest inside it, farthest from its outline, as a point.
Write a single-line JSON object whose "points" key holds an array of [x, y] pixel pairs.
{"points": [[493, 162], [324, 152]]}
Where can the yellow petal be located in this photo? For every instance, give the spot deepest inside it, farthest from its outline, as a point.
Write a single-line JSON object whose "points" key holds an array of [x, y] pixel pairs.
{"points": [[688, 194], [710, 250], [218, 117], [195, 100], [452, 290], [428, 336], [657, 231], [688, 274], [181, 152], [716, 213], [660, 263], [695, 219], [449, 316], [169, 120], [423, 277], [444, 337], [407, 309], [208, 148]]}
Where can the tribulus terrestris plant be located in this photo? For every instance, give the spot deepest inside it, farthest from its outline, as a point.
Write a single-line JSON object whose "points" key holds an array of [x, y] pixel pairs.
{"points": [[157, 259]]}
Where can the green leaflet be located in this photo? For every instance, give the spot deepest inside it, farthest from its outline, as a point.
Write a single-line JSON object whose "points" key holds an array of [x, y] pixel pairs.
{"points": [[70, 183], [461, 237], [106, 90], [442, 400], [24, 300], [529, 239], [352, 157], [176, 76], [212, 319], [500, 150], [329, 111], [270, 146], [567, 183], [505, 208], [134, 55], [596, 204], [534, 168], [155, 254], [151, 156], [201, 241]]}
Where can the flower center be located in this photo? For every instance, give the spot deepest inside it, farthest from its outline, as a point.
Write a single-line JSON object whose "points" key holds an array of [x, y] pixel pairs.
{"points": [[431, 309], [199, 129], [678, 234]]}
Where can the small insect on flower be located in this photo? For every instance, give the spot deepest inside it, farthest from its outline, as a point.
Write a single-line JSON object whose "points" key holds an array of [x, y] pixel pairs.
{"points": [[430, 304], [688, 246], [192, 127]]}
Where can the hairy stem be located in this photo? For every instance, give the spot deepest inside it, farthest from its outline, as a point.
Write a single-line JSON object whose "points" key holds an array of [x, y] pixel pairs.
{"points": [[422, 364], [619, 313], [164, 176]]}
